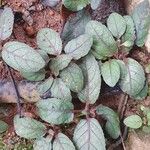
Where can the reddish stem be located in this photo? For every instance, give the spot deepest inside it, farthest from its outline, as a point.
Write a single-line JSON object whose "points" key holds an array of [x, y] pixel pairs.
{"points": [[87, 110]]}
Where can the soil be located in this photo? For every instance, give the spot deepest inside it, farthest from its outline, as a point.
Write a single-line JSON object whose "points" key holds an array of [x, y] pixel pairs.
{"points": [[106, 8]]}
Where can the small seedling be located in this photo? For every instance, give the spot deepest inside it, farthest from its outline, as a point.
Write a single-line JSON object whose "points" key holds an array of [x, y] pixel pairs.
{"points": [[141, 121]]}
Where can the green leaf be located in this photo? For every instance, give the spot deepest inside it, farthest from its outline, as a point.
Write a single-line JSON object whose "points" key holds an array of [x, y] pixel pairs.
{"points": [[6, 23], [3, 126], [133, 78], [146, 112], [113, 124], [104, 44], [34, 76], [22, 57], [92, 77], [88, 135], [44, 143], [73, 77], [141, 17], [62, 142], [107, 113], [110, 72], [129, 37], [133, 121], [116, 24], [148, 118], [75, 5], [29, 128], [49, 41], [147, 68], [123, 69], [60, 90], [44, 86], [113, 129], [79, 47], [142, 94], [44, 55], [95, 4], [75, 25], [55, 111], [59, 63], [146, 129]]}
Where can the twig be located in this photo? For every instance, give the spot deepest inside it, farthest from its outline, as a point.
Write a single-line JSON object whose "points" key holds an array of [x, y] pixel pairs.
{"points": [[16, 91], [122, 105], [121, 111]]}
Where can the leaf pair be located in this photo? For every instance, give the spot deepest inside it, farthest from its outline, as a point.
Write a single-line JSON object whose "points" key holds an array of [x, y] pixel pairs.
{"points": [[104, 44], [132, 79], [136, 121], [75, 49], [61, 142], [130, 75], [49, 41], [123, 29], [31, 129]]}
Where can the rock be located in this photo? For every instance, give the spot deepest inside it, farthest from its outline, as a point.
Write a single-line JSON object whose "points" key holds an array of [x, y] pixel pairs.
{"points": [[147, 43], [27, 90], [131, 4], [138, 141]]}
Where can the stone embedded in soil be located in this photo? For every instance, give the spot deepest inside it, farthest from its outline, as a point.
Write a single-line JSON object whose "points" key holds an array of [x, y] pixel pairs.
{"points": [[131, 4], [27, 90], [147, 43], [138, 141]]}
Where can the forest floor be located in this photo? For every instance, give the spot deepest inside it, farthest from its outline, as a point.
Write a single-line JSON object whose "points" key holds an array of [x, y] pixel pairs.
{"points": [[55, 18]]}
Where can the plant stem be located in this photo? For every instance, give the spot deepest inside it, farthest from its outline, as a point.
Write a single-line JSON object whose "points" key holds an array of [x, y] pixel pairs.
{"points": [[16, 90], [76, 111], [87, 110]]}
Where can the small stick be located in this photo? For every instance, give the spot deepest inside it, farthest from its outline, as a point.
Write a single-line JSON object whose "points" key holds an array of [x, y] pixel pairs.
{"points": [[122, 105], [120, 141], [16, 90], [121, 111]]}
